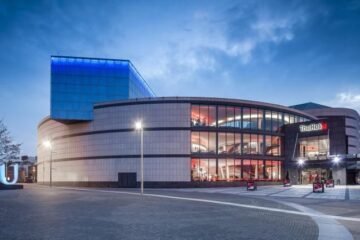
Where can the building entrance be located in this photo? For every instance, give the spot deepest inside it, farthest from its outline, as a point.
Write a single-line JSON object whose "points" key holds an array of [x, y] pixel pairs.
{"points": [[308, 176]]}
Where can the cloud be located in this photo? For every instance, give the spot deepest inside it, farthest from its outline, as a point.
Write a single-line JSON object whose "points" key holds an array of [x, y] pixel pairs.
{"points": [[210, 39], [347, 100]]}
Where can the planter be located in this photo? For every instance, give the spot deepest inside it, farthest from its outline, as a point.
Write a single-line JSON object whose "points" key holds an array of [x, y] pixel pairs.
{"points": [[330, 183], [251, 186], [318, 187]]}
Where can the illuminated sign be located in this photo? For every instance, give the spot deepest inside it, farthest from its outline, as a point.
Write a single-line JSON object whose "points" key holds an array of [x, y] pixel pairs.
{"points": [[313, 127], [3, 179]]}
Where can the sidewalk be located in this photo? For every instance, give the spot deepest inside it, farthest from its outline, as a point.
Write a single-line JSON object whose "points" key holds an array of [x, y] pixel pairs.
{"points": [[296, 191]]}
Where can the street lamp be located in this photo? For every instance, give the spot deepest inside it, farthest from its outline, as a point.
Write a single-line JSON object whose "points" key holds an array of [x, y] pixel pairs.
{"points": [[48, 144], [300, 162], [336, 159], [139, 127]]}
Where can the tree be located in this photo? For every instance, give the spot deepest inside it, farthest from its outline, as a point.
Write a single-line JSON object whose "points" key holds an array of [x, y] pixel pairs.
{"points": [[9, 151]]}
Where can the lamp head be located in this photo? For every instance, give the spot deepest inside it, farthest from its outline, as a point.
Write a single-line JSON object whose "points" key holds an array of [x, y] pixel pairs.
{"points": [[138, 125], [336, 159], [301, 162], [47, 144]]}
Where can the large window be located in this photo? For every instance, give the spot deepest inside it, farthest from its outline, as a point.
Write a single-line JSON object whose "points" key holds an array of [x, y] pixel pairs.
{"points": [[203, 142], [238, 117], [203, 169], [314, 148], [226, 117], [229, 143], [272, 145], [272, 170], [229, 169], [203, 116]]}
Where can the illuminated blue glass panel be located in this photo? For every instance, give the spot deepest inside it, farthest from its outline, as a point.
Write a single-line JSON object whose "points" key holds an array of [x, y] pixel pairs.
{"points": [[78, 83]]}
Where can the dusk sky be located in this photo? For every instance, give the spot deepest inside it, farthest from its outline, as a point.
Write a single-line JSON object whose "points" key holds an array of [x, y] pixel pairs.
{"points": [[284, 52]]}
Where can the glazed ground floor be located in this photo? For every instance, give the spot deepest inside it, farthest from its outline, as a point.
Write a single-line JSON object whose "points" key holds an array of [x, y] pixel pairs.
{"points": [[342, 174]]}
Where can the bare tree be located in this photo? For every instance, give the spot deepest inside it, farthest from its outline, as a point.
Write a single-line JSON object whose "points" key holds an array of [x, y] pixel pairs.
{"points": [[9, 151]]}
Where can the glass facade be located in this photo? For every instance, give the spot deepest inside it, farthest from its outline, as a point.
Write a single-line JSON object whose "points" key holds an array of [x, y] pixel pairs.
{"points": [[314, 148], [229, 169], [78, 83], [241, 117], [233, 132]]}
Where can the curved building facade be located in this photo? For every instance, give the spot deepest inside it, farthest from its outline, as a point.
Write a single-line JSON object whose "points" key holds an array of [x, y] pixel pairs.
{"points": [[187, 142]]}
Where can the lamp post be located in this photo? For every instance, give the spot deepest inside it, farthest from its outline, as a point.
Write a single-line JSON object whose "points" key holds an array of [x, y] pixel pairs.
{"points": [[138, 126], [48, 144], [300, 163]]}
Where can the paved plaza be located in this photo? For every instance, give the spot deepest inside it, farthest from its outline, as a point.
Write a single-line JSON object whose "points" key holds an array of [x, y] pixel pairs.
{"points": [[54, 213], [297, 191], [40, 212]]}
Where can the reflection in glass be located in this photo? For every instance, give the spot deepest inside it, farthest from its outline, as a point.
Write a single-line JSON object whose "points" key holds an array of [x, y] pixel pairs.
{"points": [[237, 117], [260, 119], [230, 117], [268, 126], [246, 118], [253, 118], [221, 116]]}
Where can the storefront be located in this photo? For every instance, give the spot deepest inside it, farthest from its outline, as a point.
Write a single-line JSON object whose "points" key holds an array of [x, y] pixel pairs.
{"points": [[318, 150]]}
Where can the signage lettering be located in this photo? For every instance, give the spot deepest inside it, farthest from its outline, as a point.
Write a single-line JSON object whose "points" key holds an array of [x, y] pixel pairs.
{"points": [[313, 127]]}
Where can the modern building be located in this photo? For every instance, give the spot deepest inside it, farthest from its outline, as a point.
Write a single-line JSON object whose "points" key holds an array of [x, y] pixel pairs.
{"points": [[188, 141]]}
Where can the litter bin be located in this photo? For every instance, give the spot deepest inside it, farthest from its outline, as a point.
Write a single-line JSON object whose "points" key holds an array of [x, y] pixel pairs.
{"points": [[318, 187], [251, 186]]}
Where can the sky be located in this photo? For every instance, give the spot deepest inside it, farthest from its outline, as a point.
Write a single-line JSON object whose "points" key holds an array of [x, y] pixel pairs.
{"points": [[285, 52]]}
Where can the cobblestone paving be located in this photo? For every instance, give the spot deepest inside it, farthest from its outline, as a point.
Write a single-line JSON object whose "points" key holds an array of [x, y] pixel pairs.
{"points": [[297, 191]]}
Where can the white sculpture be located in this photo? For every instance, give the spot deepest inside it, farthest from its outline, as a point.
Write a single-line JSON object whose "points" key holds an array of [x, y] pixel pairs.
{"points": [[3, 179]]}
